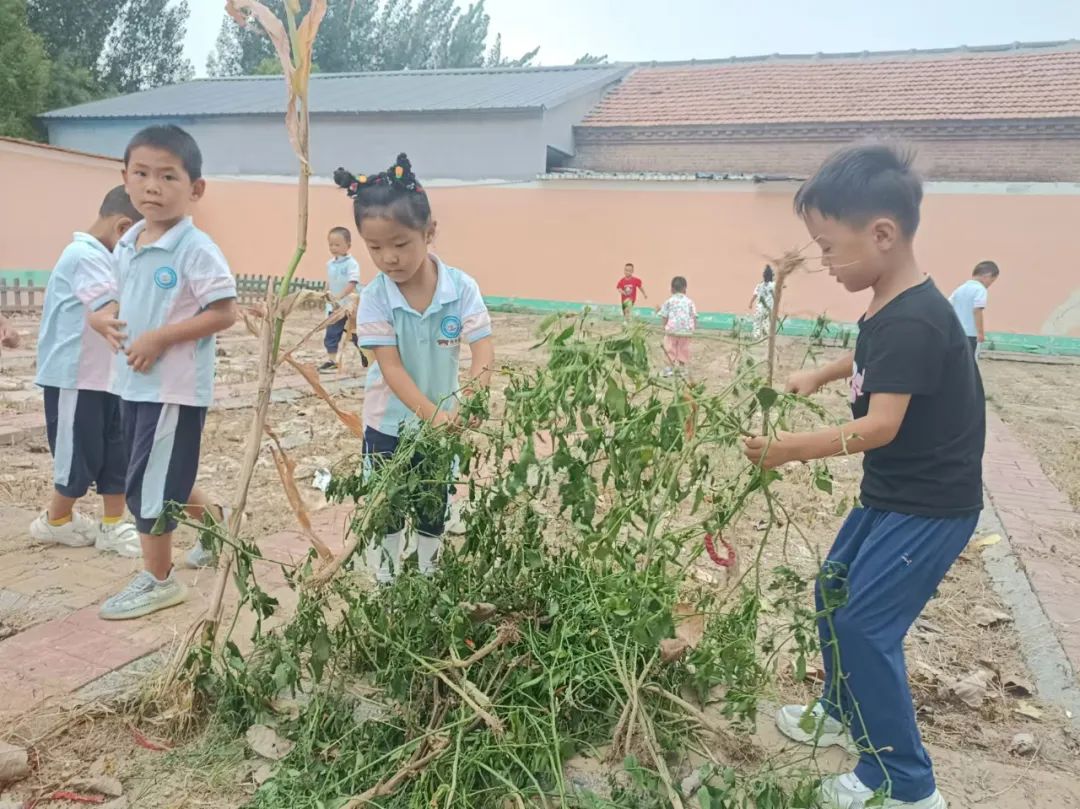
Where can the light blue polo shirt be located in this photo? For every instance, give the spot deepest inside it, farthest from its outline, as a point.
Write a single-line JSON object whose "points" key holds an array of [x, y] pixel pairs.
{"points": [[429, 342], [70, 354], [966, 298], [340, 272], [167, 282]]}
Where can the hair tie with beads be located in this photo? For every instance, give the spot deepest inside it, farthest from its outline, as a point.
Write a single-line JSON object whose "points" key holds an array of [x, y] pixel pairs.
{"points": [[399, 175]]}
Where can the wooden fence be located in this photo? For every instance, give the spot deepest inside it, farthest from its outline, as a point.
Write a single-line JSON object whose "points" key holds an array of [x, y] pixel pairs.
{"points": [[252, 288], [19, 298]]}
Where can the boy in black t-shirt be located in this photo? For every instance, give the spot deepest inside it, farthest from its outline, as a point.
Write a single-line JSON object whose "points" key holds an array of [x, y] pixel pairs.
{"points": [[919, 418]]}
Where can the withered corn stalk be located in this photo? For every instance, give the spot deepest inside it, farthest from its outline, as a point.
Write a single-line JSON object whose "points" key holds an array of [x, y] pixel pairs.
{"points": [[294, 50]]}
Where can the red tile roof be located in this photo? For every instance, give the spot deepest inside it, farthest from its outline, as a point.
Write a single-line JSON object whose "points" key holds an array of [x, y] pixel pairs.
{"points": [[954, 85]]}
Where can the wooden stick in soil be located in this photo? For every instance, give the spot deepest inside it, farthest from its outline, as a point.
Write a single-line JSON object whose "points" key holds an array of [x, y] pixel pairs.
{"points": [[208, 623]]}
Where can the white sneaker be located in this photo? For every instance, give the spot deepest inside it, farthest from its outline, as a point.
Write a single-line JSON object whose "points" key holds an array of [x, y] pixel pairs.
{"points": [[120, 538], [200, 557], [143, 596], [454, 523], [79, 533], [848, 792], [817, 729]]}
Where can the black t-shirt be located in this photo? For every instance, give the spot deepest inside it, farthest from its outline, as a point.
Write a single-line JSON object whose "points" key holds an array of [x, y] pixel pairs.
{"points": [[933, 468]]}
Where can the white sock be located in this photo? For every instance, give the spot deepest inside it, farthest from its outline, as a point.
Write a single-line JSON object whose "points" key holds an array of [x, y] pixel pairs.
{"points": [[427, 553], [384, 559]]}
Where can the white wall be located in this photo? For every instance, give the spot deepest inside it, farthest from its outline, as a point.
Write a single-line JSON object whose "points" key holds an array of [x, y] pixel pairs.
{"points": [[507, 146]]}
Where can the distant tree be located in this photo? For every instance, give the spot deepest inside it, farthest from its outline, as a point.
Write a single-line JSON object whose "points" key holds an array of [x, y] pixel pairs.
{"points": [[468, 39], [146, 46], [24, 72], [496, 59], [589, 59], [361, 35], [240, 50], [71, 84], [75, 30], [348, 38]]}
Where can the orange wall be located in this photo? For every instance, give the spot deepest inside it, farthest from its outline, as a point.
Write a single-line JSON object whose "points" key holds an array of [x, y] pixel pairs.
{"points": [[569, 240]]}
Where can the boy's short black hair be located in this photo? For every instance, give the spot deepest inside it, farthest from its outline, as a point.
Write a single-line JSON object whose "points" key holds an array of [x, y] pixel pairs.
{"points": [[343, 232], [860, 182], [629, 264], [985, 268], [767, 275], [118, 203], [678, 284], [173, 140]]}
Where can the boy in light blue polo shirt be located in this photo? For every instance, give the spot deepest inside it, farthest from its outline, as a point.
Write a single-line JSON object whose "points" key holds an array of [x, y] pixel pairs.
{"points": [[82, 417], [414, 316], [175, 292], [343, 287]]}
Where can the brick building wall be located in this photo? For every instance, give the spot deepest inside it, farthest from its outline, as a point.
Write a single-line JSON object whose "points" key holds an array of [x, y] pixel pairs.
{"points": [[1015, 152]]}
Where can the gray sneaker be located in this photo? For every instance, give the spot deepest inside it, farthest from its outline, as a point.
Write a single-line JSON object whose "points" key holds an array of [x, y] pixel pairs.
{"points": [[200, 557], [143, 596], [810, 725]]}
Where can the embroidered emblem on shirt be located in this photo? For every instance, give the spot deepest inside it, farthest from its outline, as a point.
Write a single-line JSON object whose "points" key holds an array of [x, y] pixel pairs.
{"points": [[165, 277], [450, 327]]}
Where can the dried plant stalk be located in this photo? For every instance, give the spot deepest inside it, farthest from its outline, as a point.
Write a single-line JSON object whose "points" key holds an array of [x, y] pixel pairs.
{"points": [[294, 51], [785, 266]]}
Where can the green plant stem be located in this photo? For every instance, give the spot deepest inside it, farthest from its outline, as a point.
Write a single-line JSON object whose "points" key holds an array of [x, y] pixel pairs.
{"points": [[283, 290]]}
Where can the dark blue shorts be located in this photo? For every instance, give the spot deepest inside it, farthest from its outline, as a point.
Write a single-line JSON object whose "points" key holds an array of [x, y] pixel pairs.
{"points": [[429, 509], [163, 458], [333, 336], [86, 441]]}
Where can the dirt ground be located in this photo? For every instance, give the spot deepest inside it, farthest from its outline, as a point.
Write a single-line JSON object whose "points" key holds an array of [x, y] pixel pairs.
{"points": [[971, 746], [1037, 400]]}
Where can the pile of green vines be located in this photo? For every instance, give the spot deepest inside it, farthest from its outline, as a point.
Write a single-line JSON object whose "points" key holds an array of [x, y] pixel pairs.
{"points": [[538, 640]]}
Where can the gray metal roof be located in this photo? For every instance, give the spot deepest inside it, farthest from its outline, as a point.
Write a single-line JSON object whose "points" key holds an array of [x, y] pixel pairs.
{"points": [[400, 91]]}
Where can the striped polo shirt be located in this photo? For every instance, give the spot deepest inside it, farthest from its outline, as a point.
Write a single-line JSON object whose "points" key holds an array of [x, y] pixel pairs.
{"points": [[70, 354], [429, 342], [159, 284]]}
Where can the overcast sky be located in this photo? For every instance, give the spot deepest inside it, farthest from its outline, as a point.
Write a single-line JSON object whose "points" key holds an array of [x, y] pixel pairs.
{"points": [[644, 30]]}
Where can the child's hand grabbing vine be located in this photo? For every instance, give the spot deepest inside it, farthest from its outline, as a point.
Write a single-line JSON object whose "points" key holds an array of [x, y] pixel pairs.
{"points": [[803, 383], [444, 418], [769, 452]]}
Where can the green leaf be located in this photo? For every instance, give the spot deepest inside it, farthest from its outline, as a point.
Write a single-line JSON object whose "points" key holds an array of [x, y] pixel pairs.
{"points": [[767, 397], [320, 654], [615, 399]]}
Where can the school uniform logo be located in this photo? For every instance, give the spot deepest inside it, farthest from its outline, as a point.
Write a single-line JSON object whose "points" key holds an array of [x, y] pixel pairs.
{"points": [[450, 329], [165, 277]]}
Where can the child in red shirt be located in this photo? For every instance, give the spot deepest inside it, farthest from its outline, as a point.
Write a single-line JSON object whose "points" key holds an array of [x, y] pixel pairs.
{"points": [[628, 287]]}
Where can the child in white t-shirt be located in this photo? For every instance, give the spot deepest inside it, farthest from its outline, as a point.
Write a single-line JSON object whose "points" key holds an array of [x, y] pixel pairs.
{"points": [[679, 316]]}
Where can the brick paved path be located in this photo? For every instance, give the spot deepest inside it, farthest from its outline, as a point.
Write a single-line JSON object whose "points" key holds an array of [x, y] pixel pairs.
{"points": [[1043, 528], [71, 647]]}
